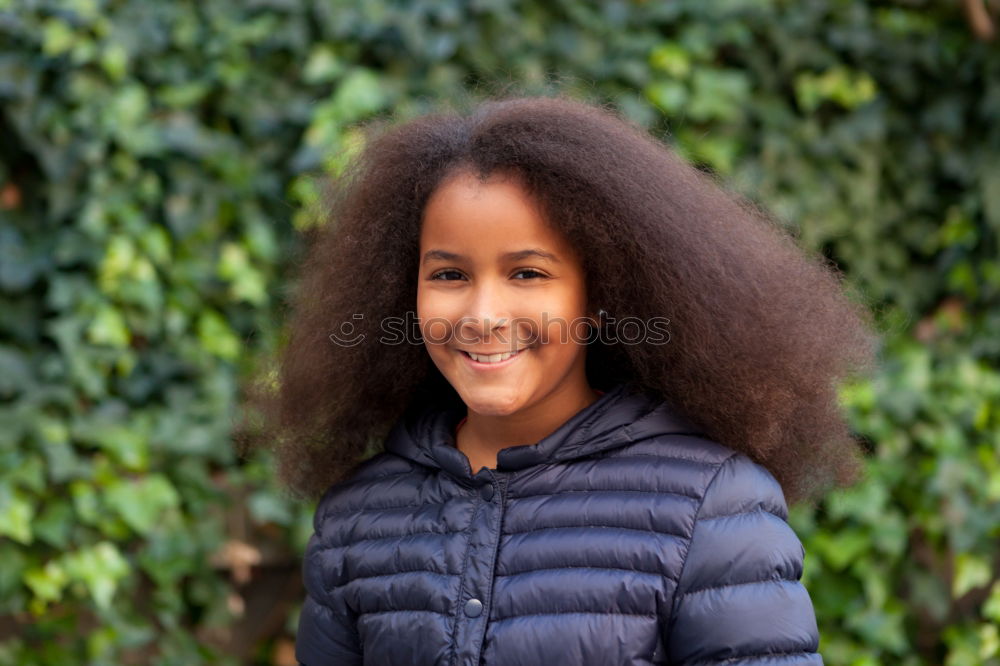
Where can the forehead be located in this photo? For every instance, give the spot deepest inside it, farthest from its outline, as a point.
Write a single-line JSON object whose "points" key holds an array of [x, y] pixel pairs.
{"points": [[498, 213]]}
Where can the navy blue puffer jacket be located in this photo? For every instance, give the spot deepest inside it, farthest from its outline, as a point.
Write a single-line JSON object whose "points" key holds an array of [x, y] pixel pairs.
{"points": [[624, 537]]}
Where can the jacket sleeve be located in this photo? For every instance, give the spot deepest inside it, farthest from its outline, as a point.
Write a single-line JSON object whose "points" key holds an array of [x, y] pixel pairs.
{"points": [[327, 632], [739, 599]]}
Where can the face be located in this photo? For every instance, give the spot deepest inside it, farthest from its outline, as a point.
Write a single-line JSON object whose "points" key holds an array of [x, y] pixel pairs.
{"points": [[494, 277]]}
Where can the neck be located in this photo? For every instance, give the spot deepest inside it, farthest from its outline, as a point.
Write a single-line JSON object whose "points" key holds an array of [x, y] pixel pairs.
{"points": [[482, 436]]}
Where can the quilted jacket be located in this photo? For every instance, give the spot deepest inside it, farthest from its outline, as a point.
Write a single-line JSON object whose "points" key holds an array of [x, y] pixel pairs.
{"points": [[624, 537]]}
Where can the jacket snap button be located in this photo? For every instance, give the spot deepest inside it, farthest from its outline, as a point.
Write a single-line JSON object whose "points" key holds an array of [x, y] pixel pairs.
{"points": [[487, 492], [473, 607]]}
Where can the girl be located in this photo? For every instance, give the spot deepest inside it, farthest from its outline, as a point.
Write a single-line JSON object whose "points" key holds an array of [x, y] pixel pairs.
{"points": [[579, 449]]}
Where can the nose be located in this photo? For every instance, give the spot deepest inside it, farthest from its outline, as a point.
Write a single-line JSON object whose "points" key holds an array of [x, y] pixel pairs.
{"points": [[487, 316]]}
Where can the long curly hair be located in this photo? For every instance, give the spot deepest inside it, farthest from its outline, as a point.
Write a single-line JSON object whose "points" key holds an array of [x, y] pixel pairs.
{"points": [[761, 331]]}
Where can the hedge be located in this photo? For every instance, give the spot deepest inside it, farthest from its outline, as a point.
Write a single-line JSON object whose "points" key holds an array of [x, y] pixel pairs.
{"points": [[158, 165]]}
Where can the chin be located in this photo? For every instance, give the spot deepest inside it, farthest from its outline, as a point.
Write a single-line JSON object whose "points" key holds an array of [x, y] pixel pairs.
{"points": [[492, 401]]}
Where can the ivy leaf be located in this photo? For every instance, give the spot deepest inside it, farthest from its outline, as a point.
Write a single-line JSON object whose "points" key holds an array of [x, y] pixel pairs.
{"points": [[100, 568], [108, 327], [142, 503], [216, 336], [47, 582], [16, 512], [54, 523], [971, 571], [361, 93], [991, 609]]}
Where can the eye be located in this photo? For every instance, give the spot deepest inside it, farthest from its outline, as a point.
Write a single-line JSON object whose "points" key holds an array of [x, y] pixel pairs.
{"points": [[530, 271], [437, 275]]}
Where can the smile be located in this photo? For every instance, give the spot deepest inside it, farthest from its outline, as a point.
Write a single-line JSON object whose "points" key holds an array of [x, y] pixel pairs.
{"points": [[491, 360]]}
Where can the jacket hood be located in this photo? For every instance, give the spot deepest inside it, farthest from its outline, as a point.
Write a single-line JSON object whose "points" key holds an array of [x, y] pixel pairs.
{"points": [[620, 416]]}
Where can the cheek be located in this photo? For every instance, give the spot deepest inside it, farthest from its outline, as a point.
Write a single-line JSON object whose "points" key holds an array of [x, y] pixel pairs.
{"points": [[431, 318], [424, 301], [565, 323], [563, 334], [435, 331]]}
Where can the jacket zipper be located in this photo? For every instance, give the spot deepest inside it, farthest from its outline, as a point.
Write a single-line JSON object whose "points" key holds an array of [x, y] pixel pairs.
{"points": [[502, 484]]}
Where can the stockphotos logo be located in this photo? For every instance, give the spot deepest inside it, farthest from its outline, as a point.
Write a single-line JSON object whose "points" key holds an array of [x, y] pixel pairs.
{"points": [[406, 330]]}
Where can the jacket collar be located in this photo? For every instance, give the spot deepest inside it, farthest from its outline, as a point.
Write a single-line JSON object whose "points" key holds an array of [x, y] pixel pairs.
{"points": [[620, 416]]}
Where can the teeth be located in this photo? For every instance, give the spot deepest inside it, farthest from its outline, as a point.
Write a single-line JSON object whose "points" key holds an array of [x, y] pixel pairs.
{"points": [[492, 358]]}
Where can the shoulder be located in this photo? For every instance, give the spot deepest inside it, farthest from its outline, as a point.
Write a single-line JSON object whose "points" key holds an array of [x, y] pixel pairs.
{"points": [[721, 479], [740, 534], [384, 476], [741, 485], [739, 595]]}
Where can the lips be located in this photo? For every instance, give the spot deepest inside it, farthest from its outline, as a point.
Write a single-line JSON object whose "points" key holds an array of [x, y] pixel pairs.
{"points": [[506, 351], [480, 365]]}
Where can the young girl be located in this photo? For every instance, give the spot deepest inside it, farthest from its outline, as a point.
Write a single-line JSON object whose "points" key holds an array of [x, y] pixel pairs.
{"points": [[554, 385]]}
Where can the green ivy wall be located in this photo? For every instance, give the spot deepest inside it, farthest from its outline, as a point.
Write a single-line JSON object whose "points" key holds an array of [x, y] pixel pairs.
{"points": [[157, 167]]}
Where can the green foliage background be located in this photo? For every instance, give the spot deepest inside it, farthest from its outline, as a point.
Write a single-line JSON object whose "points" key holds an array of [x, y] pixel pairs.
{"points": [[157, 162]]}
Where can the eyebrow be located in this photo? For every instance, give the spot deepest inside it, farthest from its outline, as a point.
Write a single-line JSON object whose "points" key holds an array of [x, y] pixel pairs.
{"points": [[509, 256]]}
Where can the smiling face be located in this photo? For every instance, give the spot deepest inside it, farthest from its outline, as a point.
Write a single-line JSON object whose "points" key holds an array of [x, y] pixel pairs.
{"points": [[494, 277]]}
